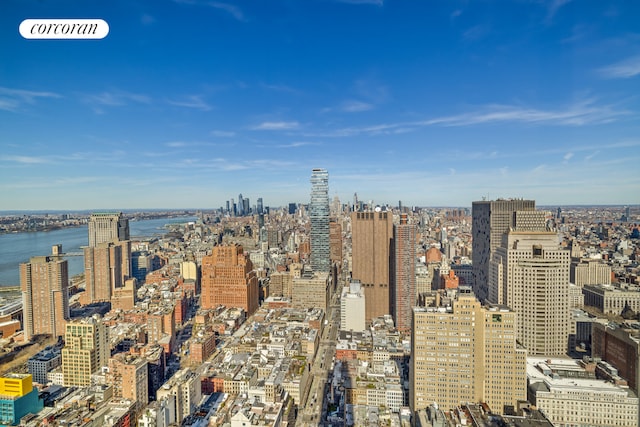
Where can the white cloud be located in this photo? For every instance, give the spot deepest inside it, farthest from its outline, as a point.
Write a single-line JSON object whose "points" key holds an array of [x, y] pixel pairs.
{"points": [[234, 11], [117, 98], [296, 144], [624, 69], [554, 7], [13, 99], [192, 101], [578, 114], [353, 106], [25, 160], [276, 126]]}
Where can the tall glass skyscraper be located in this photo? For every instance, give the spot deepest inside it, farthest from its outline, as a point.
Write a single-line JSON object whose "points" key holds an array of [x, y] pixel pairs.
{"points": [[319, 212]]}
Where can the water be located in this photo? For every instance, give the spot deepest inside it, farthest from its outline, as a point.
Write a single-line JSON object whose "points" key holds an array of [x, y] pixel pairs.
{"points": [[20, 247]]}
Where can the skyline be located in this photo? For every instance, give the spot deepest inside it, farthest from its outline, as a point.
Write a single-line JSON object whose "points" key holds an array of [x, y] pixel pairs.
{"points": [[187, 103]]}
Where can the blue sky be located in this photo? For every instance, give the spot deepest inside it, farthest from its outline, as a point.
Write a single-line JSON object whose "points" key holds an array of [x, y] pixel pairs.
{"points": [[187, 103]]}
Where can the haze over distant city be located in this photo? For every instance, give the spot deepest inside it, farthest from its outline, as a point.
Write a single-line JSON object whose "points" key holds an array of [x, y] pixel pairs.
{"points": [[187, 103]]}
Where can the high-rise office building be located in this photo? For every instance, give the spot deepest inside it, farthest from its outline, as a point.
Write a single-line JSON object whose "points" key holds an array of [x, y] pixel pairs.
{"points": [[403, 272], [490, 220], [465, 352], [319, 214], [107, 259], [335, 242], [44, 282], [240, 205], [260, 207], [245, 208], [102, 272], [371, 234], [530, 274], [86, 350], [107, 227], [228, 279]]}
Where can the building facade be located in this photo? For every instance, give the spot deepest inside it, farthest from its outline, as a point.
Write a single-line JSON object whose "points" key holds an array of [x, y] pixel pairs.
{"points": [[319, 215], [590, 272], [403, 273], [371, 234], [129, 377], [530, 274], [17, 398], [352, 308], [44, 282], [228, 279], [464, 352], [86, 350], [311, 290], [578, 399], [107, 227], [490, 220]]}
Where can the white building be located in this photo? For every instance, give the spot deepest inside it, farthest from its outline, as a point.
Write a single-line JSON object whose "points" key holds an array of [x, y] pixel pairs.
{"points": [[566, 393], [352, 310], [185, 387]]}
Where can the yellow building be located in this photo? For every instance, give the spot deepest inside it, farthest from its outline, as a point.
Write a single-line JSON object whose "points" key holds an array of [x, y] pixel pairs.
{"points": [[464, 352], [15, 385], [86, 350]]}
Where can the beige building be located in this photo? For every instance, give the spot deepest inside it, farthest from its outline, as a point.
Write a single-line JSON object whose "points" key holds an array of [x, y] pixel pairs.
{"points": [[590, 272], [311, 290], [280, 284], [44, 282], [371, 234], [464, 352], [107, 227], [490, 220], [611, 299], [530, 274], [86, 350], [570, 395]]}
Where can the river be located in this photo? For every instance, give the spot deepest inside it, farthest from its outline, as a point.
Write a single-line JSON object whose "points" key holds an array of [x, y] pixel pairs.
{"points": [[16, 248]]}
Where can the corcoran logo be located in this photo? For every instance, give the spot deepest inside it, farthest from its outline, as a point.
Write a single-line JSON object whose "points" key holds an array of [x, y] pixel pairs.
{"points": [[64, 29]]}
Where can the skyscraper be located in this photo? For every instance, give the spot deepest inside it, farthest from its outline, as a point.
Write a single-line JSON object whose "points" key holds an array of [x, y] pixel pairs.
{"points": [[464, 352], [490, 220], [260, 207], [246, 210], [530, 274], [102, 271], [107, 259], [240, 205], [403, 272], [319, 214], [107, 227], [371, 234], [228, 279], [44, 282]]}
